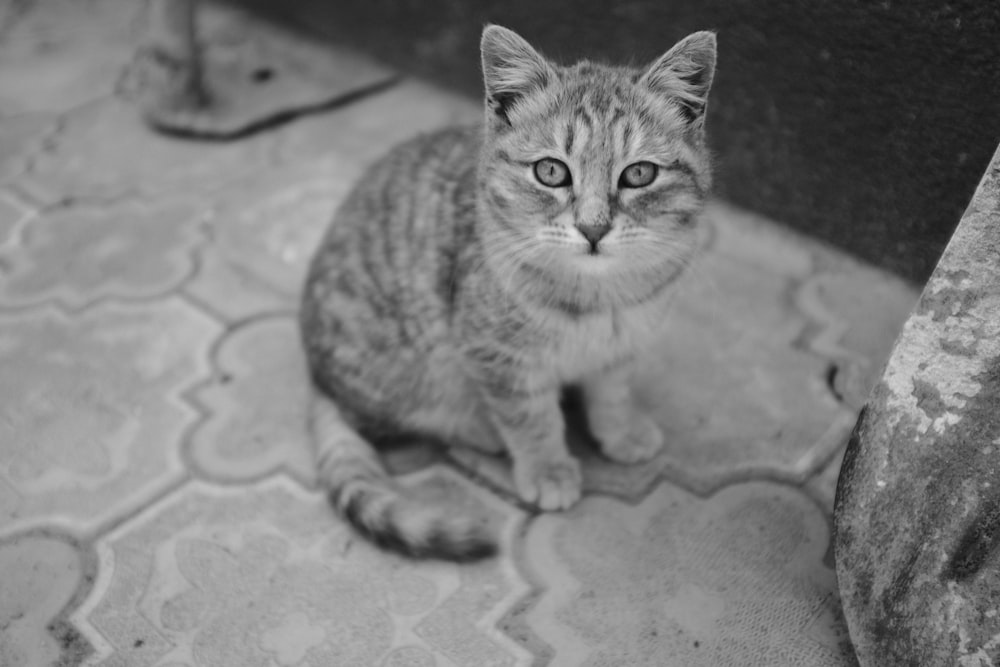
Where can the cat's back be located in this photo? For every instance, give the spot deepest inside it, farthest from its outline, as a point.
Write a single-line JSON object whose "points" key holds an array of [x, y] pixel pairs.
{"points": [[384, 276], [408, 201]]}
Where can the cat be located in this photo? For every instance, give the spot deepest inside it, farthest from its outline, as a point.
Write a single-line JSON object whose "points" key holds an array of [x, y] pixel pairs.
{"points": [[474, 272]]}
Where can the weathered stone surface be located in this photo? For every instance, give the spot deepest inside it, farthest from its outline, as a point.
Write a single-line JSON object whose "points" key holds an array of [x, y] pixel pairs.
{"points": [[918, 510]]}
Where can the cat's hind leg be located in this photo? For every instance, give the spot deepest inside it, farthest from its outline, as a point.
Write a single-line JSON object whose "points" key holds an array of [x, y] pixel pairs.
{"points": [[447, 403], [463, 412], [459, 425]]}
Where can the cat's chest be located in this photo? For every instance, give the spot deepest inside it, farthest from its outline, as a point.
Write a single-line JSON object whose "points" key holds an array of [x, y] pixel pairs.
{"points": [[588, 345]]}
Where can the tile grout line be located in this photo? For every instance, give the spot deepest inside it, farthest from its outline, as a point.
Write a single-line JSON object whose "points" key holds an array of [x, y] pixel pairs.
{"points": [[513, 621], [192, 397]]}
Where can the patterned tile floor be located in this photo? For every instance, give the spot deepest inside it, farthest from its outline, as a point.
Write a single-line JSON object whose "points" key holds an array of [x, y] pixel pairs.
{"points": [[157, 503]]}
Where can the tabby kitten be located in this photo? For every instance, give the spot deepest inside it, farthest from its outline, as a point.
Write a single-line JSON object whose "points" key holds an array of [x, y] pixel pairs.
{"points": [[474, 272]]}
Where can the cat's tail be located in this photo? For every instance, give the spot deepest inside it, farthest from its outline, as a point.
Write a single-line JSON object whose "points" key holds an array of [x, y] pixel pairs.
{"points": [[362, 492]]}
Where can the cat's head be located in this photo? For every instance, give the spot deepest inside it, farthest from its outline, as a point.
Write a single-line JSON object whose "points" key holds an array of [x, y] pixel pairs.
{"points": [[593, 170]]}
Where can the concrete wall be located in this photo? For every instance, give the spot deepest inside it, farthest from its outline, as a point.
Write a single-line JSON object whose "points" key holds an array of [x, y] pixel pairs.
{"points": [[864, 123]]}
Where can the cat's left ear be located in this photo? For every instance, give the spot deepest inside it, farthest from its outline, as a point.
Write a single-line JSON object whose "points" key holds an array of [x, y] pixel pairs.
{"points": [[684, 73], [511, 69]]}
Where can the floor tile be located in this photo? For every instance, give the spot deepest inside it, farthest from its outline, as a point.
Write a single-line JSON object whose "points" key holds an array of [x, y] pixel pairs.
{"points": [[22, 138], [42, 574], [104, 151], [257, 411], [58, 55], [257, 406], [364, 130], [263, 230], [726, 385], [755, 241], [79, 253], [266, 575], [43, 25], [823, 486], [13, 215], [91, 414], [734, 579], [856, 313]]}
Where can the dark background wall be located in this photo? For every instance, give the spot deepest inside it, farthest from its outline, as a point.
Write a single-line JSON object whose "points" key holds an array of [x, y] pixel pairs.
{"points": [[867, 124]]}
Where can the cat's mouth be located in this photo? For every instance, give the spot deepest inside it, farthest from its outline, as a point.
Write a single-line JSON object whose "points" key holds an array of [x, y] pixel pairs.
{"points": [[595, 260]]}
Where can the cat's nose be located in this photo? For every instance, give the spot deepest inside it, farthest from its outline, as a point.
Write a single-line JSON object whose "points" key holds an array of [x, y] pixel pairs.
{"points": [[594, 233]]}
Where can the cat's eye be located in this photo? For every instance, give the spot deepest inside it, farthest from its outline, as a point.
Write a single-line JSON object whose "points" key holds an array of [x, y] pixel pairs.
{"points": [[552, 172], [638, 175]]}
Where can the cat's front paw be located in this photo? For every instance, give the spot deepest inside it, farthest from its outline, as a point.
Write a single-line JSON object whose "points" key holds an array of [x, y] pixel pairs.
{"points": [[640, 441], [551, 485]]}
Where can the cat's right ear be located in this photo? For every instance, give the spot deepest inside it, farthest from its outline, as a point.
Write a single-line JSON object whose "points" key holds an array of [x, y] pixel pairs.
{"points": [[511, 69], [684, 74]]}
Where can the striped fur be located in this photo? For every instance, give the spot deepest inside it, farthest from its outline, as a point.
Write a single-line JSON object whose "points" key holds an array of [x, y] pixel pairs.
{"points": [[455, 294]]}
